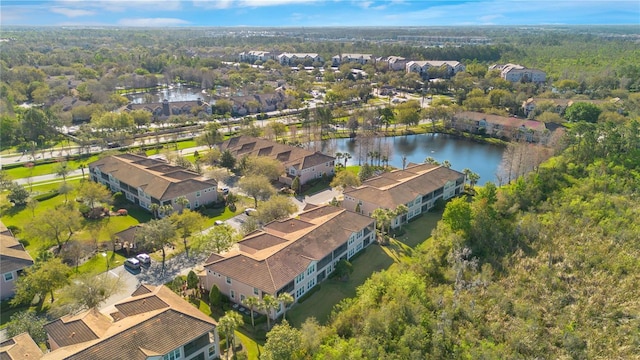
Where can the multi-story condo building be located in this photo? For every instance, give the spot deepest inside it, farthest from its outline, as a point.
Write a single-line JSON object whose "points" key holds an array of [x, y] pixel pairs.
{"points": [[422, 67], [255, 55], [352, 58], [14, 259], [145, 181], [293, 59], [500, 126], [517, 73], [418, 187], [152, 324], [306, 165], [291, 255]]}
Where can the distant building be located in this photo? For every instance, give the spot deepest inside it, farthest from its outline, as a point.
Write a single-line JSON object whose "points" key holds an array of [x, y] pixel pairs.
{"points": [[361, 59], [418, 187], [294, 59], [165, 109], [291, 256], [519, 73], [450, 68], [500, 126], [395, 63], [14, 259], [305, 164], [145, 181], [256, 55], [560, 105], [20, 347]]}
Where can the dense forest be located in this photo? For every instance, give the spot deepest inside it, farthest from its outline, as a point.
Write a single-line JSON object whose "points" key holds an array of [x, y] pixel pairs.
{"points": [[546, 267]]}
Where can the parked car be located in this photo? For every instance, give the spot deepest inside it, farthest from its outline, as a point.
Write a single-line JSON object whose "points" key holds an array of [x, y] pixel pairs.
{"points": [[144, 259], [132, 263], [218, 222], [225, 190], [248, 211]]}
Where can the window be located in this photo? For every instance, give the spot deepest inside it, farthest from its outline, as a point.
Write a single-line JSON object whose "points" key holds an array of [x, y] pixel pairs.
{"points": [[299, 278], [228, 280], [256, 291], [351, 239], [233, 294], [242, 297], [198, 194], [212, 350], [299, 292], [8, 276], [175, 354], [311, 269]]}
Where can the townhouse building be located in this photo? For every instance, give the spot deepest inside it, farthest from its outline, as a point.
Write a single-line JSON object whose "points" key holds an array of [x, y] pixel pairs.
{"points": [[510, 128], [519, 73], [361, 59], [14, 259], [145, 181], [256, 55], [292, 255], [294, 59], [418, 187], [449, 68], [306, 165]]}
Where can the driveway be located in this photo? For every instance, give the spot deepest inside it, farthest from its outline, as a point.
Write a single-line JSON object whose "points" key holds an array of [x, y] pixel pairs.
{"points": [[322, 197], [127, 283]]}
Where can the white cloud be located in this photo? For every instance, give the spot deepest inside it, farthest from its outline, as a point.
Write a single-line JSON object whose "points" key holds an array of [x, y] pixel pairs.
{"points": [[225, 4], [72, 13], [122, 5], [152, 22], [364, 4]]}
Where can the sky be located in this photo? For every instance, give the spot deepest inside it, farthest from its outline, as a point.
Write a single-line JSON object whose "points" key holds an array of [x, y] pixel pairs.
{"points": [[313, 13]]}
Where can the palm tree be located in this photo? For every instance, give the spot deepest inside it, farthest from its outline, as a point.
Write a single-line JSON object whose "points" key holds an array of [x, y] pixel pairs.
{"points": [[228, 325], [446, 164], [466, 172], [339, 157], [183, 202], [381, 216], [155, 208], [473, 179], [252, 303], [430, 160], [267, 305], [285, 299], [402, 209], [346, 156]]}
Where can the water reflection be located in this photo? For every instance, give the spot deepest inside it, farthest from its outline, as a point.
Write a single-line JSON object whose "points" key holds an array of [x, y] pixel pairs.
{"points": [[481, 158], [173, 94]]}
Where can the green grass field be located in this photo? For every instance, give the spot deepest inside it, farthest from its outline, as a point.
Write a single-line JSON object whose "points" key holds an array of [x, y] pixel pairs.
{"points": [[23, 172]]}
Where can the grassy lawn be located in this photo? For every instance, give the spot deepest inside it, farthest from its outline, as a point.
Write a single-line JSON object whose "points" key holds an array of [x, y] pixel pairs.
{"points": [[315, 188], [98, 263], [6, 311], [373, 258], [219, 214], [22, 172]]}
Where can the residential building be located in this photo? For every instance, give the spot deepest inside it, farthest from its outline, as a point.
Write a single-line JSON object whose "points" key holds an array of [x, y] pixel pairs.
{"points": [[145, 181], [519, 73], [20, 347], [292, 255], [395, 63], [418, 187], [353, 58], [256, 55], [294, 59], [510, 128], [306, 165], [165, 109], [14, 259], [153, 323], [449, 68], [252, 104], [560, 105]]}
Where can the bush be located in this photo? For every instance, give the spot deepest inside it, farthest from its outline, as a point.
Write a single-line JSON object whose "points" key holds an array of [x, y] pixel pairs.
{"points": [[46, 196]]}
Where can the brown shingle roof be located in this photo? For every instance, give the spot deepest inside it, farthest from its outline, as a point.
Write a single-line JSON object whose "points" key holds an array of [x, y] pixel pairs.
{"points": [[13, 256], [401, 186], [20, 347], [511, 122], [273, 257], [150, 329], [157, 178], [290, 156]]}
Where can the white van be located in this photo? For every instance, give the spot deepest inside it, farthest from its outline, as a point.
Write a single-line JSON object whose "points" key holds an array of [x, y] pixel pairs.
{"points": [[132, 263]]}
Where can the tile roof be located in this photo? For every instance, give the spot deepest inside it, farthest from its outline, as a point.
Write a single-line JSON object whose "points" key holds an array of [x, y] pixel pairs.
{"points": [[401, 186], [157, 178], [13, 256], [290, 156], [271, 258], [152, 322], [20, 347]]}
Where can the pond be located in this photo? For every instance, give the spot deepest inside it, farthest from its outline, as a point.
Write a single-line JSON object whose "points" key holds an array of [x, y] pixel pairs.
{"points": [[483, 159], [173, 93]]}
